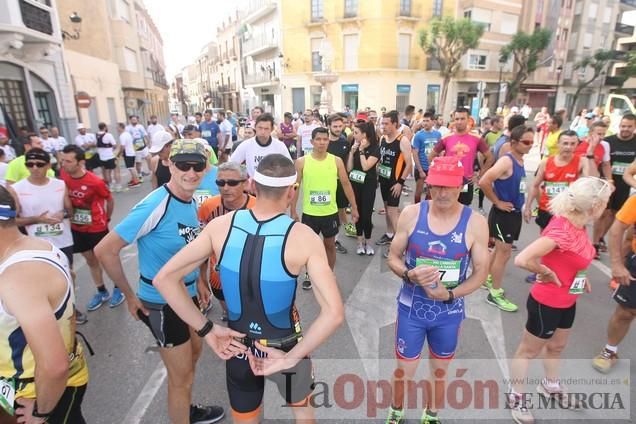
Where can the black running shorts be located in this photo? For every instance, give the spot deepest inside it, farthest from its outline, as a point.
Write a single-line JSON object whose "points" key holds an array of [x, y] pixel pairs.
{"points": [[504, 226], [544, 320], [327, 225], [165, 325], [626, 295]]}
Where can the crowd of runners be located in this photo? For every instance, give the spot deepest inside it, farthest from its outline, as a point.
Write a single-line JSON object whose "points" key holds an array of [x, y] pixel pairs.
{"points": [[223, 222]]}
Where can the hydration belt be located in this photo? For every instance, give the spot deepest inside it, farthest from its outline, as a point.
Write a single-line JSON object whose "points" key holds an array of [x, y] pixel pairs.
{"points": [[281, 343]]}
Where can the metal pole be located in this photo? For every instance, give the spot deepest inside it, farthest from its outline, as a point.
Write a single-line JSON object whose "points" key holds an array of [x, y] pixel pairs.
{"points": [[499, 87]]}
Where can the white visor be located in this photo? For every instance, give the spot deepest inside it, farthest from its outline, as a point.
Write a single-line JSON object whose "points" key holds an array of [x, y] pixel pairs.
{"points": [[274, 181]]}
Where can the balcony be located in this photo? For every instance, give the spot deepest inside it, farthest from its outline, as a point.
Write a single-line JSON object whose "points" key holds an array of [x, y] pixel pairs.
{"points": [[616, 81], [259, 43], [624, 29], [36, 18], [628, 4], [261, 78], [258, 9], [229, 88]]}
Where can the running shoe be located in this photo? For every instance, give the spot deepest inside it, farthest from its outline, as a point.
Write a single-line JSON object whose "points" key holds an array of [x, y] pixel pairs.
{"points": [[496, 298], [604, 361], [350, 230], [340, 248], [141, 179], [134, 183], [369, 250], [80, 317], [361, 250], [487, 285], [602, 247], [560, 395], [98, 300], [145, 174], [396, 416], [384, 240], [117, 298], [520, 413], [429, 416], [200, 414], [306, 282], [531, 279]]}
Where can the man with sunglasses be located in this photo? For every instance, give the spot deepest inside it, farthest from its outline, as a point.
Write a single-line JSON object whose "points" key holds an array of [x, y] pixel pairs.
{"points": [[161, 224], [17, 170], [231, 181], [504, 184]]}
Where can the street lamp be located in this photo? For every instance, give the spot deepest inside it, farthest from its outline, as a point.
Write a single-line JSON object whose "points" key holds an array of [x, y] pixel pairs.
{"points": [[76, 20], [559, 69], [501, 65]]}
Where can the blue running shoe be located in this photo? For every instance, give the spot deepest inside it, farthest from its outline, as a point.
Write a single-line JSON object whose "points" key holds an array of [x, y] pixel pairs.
{"points": [[98, 300], [117, 299]]}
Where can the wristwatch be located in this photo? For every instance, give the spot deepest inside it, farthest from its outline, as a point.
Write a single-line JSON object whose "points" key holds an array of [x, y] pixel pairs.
{"points": [[451, 297], [207, 327], [405, 276]]}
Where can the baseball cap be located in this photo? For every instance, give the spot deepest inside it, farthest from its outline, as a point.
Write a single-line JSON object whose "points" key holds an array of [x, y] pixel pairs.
{"points": [[445, 171], [589, 115], [361, 117], [514, 109], [81, 126], [159, 140], [189, 128], [184, 150], [37, 154]]}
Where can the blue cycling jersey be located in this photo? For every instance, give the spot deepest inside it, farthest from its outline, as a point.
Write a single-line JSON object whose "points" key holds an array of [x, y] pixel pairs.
{"points": [[161, 224]]}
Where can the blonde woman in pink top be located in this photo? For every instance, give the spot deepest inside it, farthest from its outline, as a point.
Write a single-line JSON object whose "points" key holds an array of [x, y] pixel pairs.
{"points": [[560, 258]]}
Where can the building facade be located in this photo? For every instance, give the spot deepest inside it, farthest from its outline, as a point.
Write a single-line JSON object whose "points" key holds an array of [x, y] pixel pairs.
{"points": [[227, 69], [365, 54], [35, 88]]}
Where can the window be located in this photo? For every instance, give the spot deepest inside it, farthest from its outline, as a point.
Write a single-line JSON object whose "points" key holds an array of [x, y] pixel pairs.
{"points": [[578, 7], [509, 23], [317, 10], [316, 59], [130, 60], [587, 40], [405, 7], [480, 16], [477, 60], [351, 8], [564, 34], [607, 17], [123, 10], [573, 40], [350, 42], [43, 108], [404, 46], [592, 10], [438, 6]]}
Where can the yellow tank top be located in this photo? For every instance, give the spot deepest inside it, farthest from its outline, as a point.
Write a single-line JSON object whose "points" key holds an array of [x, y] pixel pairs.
{"points": [[16, 358], [320, 181]]}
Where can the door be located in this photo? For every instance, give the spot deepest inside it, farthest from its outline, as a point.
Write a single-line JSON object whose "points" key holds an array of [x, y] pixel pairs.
{"points": [[112, 112], [298, 99], [93, 120]]}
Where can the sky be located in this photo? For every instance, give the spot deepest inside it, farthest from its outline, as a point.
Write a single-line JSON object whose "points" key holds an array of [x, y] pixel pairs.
{"points": [[186, 26]]}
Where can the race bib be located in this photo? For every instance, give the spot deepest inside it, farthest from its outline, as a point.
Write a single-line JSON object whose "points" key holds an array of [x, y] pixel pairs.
{"points": [[384, 171], [319, 198], [7, 395], [554, 188], [618, 168], [522, 186], [465, 188], [448, 270], [139, 144], [206, 133], [48, 230], [357, 176], [201, 196], [82, 217], [578, 285]]}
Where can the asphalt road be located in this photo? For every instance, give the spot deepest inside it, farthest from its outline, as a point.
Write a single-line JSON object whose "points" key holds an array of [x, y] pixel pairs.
{"points": [[128, 383]]}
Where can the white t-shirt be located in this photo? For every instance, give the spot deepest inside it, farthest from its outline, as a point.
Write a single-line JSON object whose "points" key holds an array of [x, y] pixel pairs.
{"points": [[81, 140], [58, 143], [226, 130], [250, 152], [153, 128], [3, 170], [9, 152], [126, 141], [35, 200], [606, 151], [106, 153], [304, 132]]}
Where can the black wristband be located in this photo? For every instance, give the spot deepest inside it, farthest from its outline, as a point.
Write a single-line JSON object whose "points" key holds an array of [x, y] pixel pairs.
{"points": [[37, 414], [205, 329], [451, 297], [405, 276], [401, 181], [590, 156]]}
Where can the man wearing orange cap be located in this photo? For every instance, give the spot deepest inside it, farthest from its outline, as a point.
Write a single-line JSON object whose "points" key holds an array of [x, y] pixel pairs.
{"points": [[434, 278]]}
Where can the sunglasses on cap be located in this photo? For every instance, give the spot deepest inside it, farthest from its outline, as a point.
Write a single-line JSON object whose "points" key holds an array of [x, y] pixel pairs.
{"points": [[34, 164], [186, 166], [231, 183]]}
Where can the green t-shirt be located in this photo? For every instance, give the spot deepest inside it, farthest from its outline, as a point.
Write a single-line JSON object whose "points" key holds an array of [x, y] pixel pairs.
{"points": [[17, 170], [492, 137]]}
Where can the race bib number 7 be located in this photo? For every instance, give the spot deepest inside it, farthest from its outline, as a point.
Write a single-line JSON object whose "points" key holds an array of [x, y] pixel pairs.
{"points": [[448, 270], [7, 395]]}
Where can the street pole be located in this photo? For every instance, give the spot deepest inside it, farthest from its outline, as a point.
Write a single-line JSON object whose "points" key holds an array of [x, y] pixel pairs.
{"points": [[556, 93], [499, 86]]}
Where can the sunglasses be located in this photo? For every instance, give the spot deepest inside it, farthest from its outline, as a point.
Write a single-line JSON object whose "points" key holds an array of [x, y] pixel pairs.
{"points": [[34, 164], [527, 142], [186, 166], [231, 183]]}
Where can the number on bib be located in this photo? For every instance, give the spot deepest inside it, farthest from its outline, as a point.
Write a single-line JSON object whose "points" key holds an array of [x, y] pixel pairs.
{"points": [[448, 270], [82, 217], [357, 176], [48, 230], [201, 196], [384, 171], [554, 188], [465, 188], [7, 395], [618, 168], [206, 133], [522, 186], [320, 198], [579, 282]]}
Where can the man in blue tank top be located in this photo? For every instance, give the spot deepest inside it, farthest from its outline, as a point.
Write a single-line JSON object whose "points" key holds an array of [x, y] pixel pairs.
{"points": [[440, 238], [505, 186], [260, 254], [161, 224]]}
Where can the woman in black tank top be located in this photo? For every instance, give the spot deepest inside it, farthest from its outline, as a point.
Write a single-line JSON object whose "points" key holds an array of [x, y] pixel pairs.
{"points": [[162, 173]]}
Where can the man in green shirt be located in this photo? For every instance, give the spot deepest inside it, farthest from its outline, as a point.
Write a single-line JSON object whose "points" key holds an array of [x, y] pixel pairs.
{"points": [[495, 132], [17, 169]]}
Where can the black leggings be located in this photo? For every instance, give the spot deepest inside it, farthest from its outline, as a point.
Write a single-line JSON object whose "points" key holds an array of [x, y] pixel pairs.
{"points": [[365, 198], [481, 198]]}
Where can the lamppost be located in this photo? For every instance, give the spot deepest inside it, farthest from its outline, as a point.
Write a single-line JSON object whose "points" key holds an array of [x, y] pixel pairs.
{"points": [[559, 69], [76, 20], [501, 65]]}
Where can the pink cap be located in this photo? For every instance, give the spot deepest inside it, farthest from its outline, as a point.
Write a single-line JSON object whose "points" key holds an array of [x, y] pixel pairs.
{"points": [[445, 171]]}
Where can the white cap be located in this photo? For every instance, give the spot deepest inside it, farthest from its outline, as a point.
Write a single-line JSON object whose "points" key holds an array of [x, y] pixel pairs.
{"points": [[81, 126], [159, 140], [514, 109]]}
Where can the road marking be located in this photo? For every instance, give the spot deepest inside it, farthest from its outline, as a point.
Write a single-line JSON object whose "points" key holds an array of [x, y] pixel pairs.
{"points": [[603, 268], [146, 396]]}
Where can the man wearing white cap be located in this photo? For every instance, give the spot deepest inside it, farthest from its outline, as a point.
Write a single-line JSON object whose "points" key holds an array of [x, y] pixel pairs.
{"points": [[88, 142], [160, 149]]}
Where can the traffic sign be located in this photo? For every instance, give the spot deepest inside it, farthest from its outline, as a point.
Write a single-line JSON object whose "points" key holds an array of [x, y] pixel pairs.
{"points": [[83, 100]]}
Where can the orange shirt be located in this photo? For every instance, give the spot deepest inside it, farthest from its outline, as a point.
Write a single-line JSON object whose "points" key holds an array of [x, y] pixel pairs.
{"points": [[212, 208], [627, 215]]}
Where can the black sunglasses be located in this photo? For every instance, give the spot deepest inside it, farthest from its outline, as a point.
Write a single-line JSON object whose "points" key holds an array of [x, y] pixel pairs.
{"points": [[231, 183], [186, 166], [34, 164]]}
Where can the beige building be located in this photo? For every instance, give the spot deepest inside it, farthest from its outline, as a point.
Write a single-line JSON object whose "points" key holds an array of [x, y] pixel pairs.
{"points": [[227, 67]]}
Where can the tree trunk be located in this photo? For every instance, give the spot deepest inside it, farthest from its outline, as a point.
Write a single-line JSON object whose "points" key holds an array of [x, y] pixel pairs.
{"points": [[442, 96], [575, 98]]}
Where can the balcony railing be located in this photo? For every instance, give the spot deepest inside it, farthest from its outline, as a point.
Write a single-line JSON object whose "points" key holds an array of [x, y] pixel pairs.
{"points": [[631, 3], [614, 81], [624, 28], [258, 8], [260, 78], [227, 88], [36, 18], [259, 42]]}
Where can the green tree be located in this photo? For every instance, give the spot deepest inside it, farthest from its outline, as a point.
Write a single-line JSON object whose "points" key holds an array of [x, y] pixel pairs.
{"points": [[525, 50], [597, 62], [447, 40]]}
